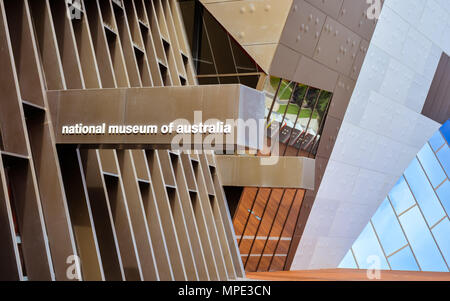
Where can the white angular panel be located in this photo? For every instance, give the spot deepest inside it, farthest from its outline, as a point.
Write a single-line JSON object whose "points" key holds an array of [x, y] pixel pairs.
{"points": [[445, 40], [326, 212], [338, 181], [433, 21], [368, 185], [325, 253], [304, 253], [390, 33], [416, 50], [397, 82], [409, 10], [350, 219]]}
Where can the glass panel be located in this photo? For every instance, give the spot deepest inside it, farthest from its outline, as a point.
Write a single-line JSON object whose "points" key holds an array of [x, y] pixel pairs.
{"points": [[445, 130], [367, 246], [244, 63], [283, 96], [444, 195], [431, 165], [403, 261], [270, 89], [436, 141], [441, 233], [422, 242], [388, 229], [308, 119], [424, 193], [444, 156], [220, 45], [401, 197], [205, 61], [348, 262]]}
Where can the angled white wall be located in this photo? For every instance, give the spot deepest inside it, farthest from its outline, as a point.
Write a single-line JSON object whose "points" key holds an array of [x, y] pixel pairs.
{"points": [[382, 130]]}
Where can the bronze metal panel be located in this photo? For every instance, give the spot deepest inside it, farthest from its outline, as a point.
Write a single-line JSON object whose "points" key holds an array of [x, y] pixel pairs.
{"points": [[24, 197], [228, 225], [285, 62], [27, 68], [88, 61], [100, 44], [126, 239], [437, 104], [191, 224], [167, 161], [81, 216], [341, 97], [145, 106], [331, 8], [102, 216], [46, 38], [303, 28], [353, 14], [208, 173], [204, 198], [66, 45], [52, 192], [337, 47], [167, 220], [156, 231], [191, 167], [318, 75], [11, 115], [360, 57], [9, 255], [137, 216], [329, 136]]}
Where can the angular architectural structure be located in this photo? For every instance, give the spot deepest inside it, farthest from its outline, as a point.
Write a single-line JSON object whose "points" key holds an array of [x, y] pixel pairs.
{"points": [[410, 229], [79, 213]]}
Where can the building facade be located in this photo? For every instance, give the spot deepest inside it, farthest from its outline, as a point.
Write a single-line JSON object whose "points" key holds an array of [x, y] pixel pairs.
{"points": [[347, 93]]}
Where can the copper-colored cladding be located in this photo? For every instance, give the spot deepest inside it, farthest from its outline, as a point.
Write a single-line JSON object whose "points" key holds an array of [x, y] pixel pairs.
{"points": [[127, 214], [436, 105], [348, 275], [319, 43], [264, 222]]}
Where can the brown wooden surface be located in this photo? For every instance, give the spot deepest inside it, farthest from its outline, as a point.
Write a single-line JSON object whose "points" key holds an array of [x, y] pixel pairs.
{"points": [[264, 216], [347, 275]]}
